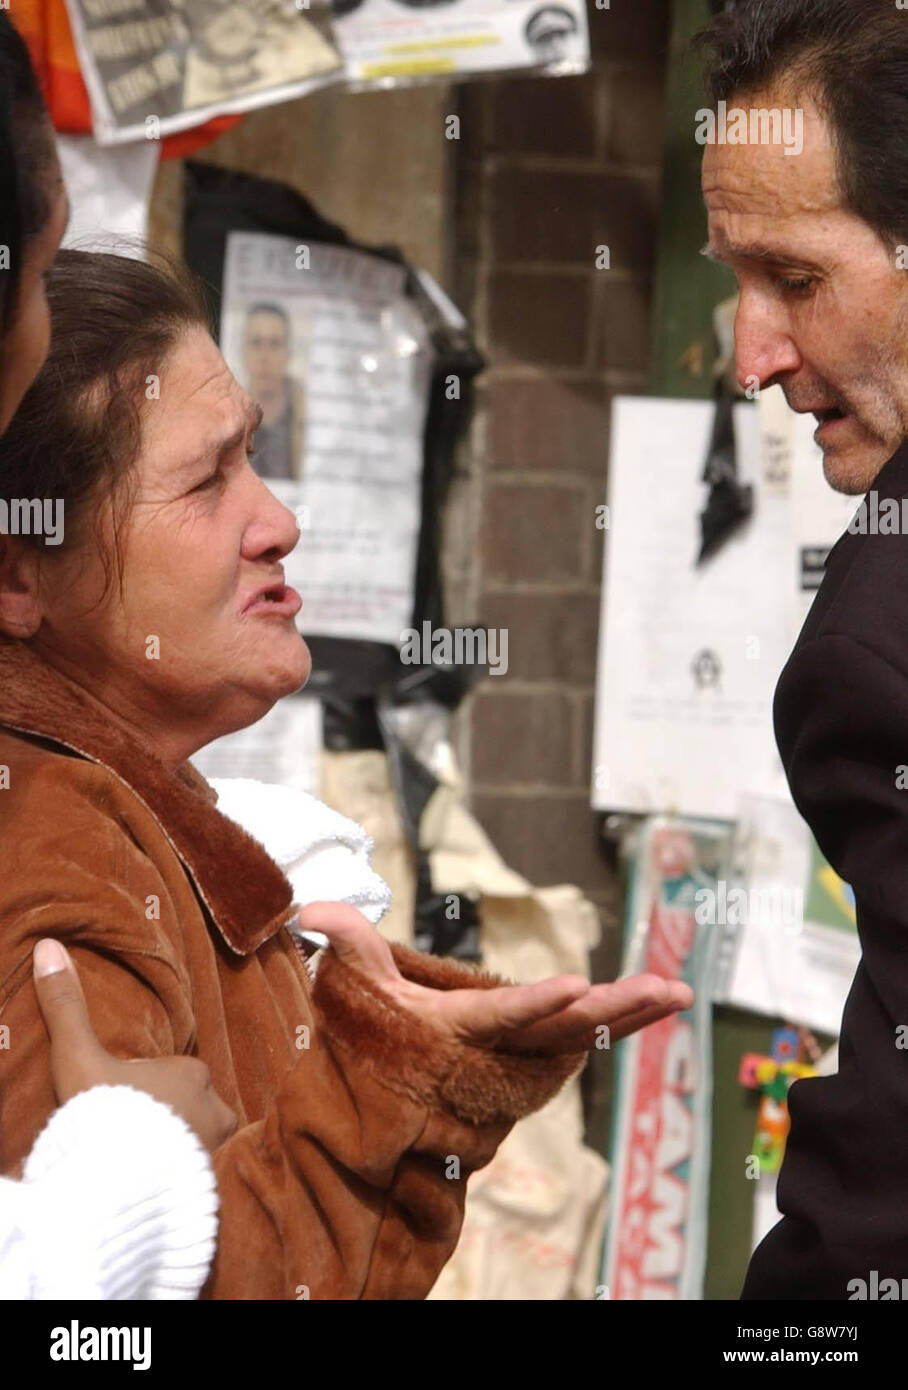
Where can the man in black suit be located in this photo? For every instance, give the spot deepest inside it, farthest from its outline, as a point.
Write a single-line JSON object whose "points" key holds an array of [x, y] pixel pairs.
{"points": [[817, 241]]}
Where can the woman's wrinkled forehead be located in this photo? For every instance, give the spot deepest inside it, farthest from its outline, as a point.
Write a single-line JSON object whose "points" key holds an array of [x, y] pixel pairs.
{"points": [[197, 410]]}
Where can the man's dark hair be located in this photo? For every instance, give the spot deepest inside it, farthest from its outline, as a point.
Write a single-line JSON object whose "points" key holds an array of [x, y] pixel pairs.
{"points": [[26, 152], [76, 436], [852, 57]]}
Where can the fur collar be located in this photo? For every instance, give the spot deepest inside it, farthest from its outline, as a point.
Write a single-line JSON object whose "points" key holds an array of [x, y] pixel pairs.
{"points": [[244, 890]]}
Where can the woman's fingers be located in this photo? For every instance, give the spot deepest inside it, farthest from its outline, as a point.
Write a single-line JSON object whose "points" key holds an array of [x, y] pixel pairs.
{"points": [[353, 937], [634, 1022], [562, 1014], [183, 1083], [486, 1015], [562, 1036], [621, 1006], [74, 1046]]}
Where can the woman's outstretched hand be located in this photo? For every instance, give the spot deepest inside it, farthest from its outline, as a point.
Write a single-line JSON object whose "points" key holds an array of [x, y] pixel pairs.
{"points": [[562, 1014]]}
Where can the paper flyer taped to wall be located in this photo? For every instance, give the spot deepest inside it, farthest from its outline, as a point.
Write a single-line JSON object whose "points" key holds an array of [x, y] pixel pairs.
{"points": [[153, 67], [326, 340], [392, 42]]}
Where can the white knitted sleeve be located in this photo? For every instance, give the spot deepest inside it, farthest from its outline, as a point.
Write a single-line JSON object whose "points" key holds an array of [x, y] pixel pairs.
{"points": [[118, 1201]]}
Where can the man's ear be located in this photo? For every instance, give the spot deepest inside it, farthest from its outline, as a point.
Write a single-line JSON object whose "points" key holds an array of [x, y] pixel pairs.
{"points": [[20, 605]]}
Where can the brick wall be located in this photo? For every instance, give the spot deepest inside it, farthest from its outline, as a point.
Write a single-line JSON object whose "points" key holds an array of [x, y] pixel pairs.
{"points": [[376, 162], [546, 171]]}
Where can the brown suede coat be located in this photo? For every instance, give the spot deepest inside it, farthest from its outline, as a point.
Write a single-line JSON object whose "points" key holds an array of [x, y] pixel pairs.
{"points": [[346, 1177]]}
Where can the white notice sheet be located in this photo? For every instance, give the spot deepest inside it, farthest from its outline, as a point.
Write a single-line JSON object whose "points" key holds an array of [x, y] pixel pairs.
{"points": [[689, 656], [790, 946]]}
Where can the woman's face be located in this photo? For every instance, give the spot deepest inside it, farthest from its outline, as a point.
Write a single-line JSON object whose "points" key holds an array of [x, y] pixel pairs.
{"points": [[188, 648], [24, 346]]}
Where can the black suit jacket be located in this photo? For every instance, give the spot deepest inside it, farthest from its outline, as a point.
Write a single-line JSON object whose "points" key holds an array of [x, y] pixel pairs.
{"points": [[841, 722]]}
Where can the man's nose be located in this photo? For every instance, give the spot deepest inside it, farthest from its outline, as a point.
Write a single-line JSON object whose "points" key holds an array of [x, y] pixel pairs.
{"points": [[764, 349]]}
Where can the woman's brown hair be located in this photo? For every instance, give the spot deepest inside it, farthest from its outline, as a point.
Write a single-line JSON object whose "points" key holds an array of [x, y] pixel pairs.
{"points": [[76, 436]]}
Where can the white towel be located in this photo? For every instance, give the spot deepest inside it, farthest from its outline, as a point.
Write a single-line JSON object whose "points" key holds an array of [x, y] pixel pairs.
{"points": [[326, 856]]}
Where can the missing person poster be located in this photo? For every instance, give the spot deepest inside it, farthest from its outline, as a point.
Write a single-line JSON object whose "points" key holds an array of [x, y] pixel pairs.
{"points": [[326, 341], [157, 66], [390, 41]]}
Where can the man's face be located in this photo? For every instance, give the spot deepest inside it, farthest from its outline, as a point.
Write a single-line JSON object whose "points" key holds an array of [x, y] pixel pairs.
{"points": [[202, 548], [823, 306], [266, 351]]}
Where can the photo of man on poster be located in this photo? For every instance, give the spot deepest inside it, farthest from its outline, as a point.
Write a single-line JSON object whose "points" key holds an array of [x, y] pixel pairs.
{"points": [[267, 350]]}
